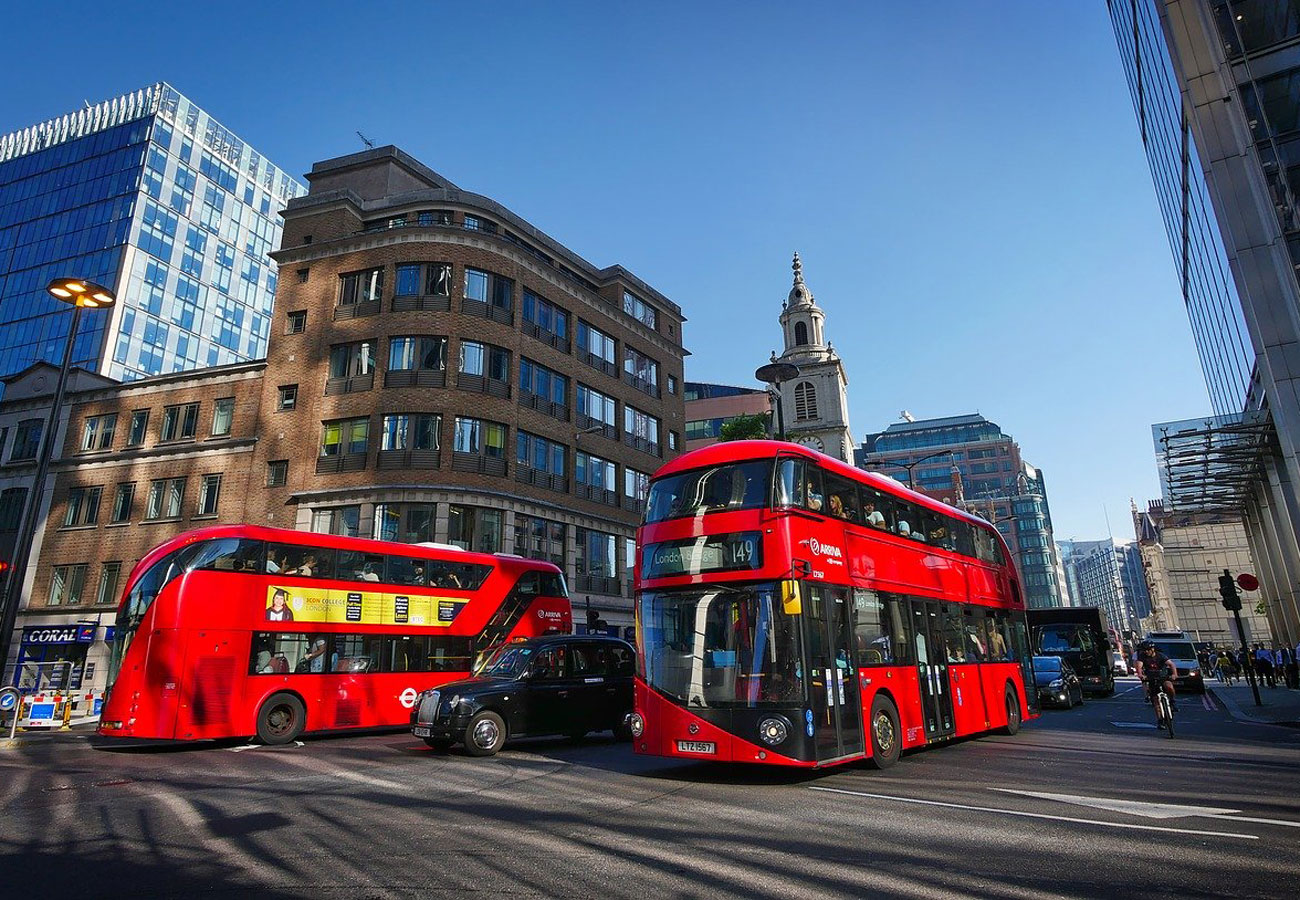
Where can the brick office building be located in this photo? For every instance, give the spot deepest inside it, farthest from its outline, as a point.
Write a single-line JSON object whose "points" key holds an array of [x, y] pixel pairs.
{"points": [[438, 370]]}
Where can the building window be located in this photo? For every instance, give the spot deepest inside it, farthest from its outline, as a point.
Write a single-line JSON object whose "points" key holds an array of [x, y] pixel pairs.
{"points": [[672, 385], [484, 359], [545, 320], [180, 423], [165, 498], [672, 440], [288, 396], [596, 348], [344, 520], [345, 437], [297, 322], [638, 309], [410, 432], [635, 484], [66, 585], [479, 437], [495, 292], [475, 223], [222, 413], [361, 287], [805, 401], [545, 384], [11, 508], [209, 494], [123, 501], [595, 472], [83, 506], [640, 430], [595, 408], [537, 538], [98, 432], [641, 371], [106, 593], [405, 523], [351, 360], [425, 353], [277, 472], [539, 454], [303, 275], [595, 557], [434, 217], [27, 439], [474, 528], [800, 334], [428, 279], [139, 428]]}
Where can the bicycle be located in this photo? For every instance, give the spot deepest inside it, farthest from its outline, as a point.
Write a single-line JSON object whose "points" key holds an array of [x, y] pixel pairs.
{"points": [[1164, 707]]}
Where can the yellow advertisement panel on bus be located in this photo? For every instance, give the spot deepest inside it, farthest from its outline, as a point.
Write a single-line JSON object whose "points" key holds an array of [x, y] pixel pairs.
{"points": [[343, 607]]}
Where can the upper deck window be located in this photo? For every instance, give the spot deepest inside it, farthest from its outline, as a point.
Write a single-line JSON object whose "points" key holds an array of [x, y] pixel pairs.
{"points": [[724, 488]]}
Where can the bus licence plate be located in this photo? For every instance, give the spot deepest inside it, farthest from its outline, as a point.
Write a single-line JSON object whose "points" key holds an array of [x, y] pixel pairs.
{"points": [[423, 732], [697, 747]]}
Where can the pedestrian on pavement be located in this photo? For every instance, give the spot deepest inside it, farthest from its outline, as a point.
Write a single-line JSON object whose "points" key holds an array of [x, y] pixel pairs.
{"points": [[1292, 669], [1264, 664]]}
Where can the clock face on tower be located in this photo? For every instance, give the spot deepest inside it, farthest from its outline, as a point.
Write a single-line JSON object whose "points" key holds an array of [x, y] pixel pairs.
{"points": [[812, 441]]}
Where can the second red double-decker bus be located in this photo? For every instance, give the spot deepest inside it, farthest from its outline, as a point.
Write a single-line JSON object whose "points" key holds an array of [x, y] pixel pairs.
{"points": [[243, 630], [794, 610]]}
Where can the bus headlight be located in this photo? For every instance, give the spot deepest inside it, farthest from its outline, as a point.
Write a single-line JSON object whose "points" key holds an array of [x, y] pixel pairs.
{"points": [[636, 724], [773, 730]]}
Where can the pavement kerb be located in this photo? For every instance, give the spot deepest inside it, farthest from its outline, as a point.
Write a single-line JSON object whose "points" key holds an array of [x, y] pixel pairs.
{"points": [[1234, 709]]}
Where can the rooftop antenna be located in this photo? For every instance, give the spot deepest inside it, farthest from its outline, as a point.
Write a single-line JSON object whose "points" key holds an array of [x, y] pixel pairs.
{"points": [[370, 145]]}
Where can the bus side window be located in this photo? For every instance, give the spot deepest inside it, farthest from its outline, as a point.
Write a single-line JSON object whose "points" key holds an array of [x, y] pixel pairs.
{"points": [[873, 641], [963, 536], [814, 497], [790, 483], [841, 498], [276, 653]]}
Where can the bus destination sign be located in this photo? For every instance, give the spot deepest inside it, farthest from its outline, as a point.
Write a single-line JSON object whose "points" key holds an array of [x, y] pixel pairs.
{"points": [[707, 553]]}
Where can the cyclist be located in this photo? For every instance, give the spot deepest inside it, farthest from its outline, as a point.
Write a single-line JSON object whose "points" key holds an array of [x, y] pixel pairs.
{"points": [[1158, 672]]}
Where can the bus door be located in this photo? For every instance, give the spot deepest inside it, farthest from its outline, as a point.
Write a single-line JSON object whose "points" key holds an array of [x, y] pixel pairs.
{"points": [[833, 666], [1020, 642], [932, 669]]}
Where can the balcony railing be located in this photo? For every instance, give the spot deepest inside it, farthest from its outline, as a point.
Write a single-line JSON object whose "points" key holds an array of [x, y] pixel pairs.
{"points": [[584, 422], [397, 378], [543, 405], [492, 386], [409, 459], [349, 384], [474, 462], [645, 445], [344, 462], [546, 337], [548, 480], [595, 494], [632, 504], [487, 311], [641, 384], [356, 310], [602, 365], [422, 302]]}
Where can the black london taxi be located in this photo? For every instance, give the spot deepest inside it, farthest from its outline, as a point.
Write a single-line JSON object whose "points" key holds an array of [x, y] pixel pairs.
{"points": [[557, 684]]}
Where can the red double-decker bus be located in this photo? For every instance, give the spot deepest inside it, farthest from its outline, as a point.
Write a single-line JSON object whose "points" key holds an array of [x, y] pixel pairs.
{"points": [[245, 630], [794, 610]]}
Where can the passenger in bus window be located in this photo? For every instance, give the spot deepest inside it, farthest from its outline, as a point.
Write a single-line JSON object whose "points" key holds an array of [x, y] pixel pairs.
{"points": [[314, 661], [837, 506], [904, 529], [872, 516], [306, 567], [997, 646], [814, 499], [272, 566]]}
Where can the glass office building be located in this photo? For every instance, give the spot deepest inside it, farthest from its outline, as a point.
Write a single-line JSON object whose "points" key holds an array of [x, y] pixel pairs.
{"points": [[151, 196]]}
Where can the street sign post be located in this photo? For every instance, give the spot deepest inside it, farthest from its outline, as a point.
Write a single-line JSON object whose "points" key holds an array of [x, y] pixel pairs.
{"points": [[1232, 603]]}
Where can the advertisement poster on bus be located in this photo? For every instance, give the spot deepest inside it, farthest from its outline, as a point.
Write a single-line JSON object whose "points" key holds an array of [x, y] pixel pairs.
{"points": [[343, 607]]}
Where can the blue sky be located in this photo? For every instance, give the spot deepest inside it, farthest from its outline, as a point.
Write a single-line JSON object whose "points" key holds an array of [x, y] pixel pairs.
{"points": [[964, 182]]}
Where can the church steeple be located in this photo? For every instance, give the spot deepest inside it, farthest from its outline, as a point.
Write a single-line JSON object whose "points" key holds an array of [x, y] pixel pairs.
{"points": [[803, 322]]}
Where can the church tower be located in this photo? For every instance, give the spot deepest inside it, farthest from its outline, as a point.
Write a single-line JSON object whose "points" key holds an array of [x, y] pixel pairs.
{"points": [[815, 404]]}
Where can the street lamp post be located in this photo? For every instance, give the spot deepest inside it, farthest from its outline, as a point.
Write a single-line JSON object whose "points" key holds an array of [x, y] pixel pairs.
{"points": [[81, 294], [913, 464], [774, 373]]}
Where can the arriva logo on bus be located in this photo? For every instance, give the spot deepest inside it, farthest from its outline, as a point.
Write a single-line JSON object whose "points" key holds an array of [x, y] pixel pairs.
{"points": [[833, 554]]}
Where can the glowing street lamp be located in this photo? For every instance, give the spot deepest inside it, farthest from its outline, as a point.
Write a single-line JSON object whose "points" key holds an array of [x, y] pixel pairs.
{"points": [[81, 294]]}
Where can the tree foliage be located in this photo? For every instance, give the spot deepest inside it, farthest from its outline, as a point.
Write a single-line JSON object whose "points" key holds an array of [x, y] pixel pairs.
{"points": [[745, 428]]}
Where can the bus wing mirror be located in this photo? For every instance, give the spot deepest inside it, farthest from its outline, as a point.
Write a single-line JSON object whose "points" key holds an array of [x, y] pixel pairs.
{"points": [[791, 602]]}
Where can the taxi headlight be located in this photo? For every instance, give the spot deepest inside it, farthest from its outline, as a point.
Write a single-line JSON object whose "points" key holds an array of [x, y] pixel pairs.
{"points": [[1056, 685], [773, 730]]}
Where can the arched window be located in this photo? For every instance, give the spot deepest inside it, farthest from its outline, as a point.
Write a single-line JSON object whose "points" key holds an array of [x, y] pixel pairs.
{"points": [[805, 401], [800, 334]]}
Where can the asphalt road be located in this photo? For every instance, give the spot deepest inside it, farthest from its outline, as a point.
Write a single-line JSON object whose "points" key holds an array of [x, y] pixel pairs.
{"points": [[379, 815]]}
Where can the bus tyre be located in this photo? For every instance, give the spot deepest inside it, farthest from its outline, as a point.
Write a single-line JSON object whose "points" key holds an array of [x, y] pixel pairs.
{"points": [[281, 719], [1013, 712], [485, 734], [886, 737]]}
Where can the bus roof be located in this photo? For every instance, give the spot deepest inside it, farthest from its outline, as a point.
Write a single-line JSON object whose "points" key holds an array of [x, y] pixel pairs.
{"points": [[739, 451]]}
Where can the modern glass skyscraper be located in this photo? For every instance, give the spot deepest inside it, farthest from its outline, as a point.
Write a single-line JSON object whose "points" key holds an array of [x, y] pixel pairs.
{"points": [[149, 195]]}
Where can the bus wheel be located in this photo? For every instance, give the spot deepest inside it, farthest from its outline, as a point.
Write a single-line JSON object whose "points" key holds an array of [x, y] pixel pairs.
{"points": [[886, 737], [485, 734], [441, 745], [1013, 712], [281, 719]]}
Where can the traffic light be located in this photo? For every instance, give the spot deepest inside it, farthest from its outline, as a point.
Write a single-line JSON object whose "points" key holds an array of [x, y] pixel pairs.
{"points": [[1228, 590], [593, 621]]}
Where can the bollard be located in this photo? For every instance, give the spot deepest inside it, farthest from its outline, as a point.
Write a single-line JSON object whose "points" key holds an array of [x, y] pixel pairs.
{"points": [[67, 714]]}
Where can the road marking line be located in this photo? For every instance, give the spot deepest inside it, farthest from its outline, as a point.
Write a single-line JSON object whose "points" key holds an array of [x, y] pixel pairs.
{"points": [[1253, 819], [1030, 815], [1133, 724], [1136, 807]]}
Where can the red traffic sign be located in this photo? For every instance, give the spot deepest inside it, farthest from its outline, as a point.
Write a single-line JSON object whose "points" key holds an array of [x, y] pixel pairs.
{"points": [[1248, 582]]}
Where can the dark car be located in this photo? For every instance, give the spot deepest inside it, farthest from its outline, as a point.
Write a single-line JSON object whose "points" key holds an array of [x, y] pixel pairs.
{"points": [[558, 684], [1057, 683]]}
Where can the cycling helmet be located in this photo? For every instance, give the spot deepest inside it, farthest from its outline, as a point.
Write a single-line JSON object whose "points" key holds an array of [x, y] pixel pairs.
{"points": [[1145, 646]]}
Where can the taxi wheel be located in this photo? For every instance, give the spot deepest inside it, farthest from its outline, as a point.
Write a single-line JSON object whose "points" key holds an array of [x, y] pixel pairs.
{"points": [[485, 735], [623, 730], [281, 719], [442, 745], [1013, 712], [886, 736]]}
